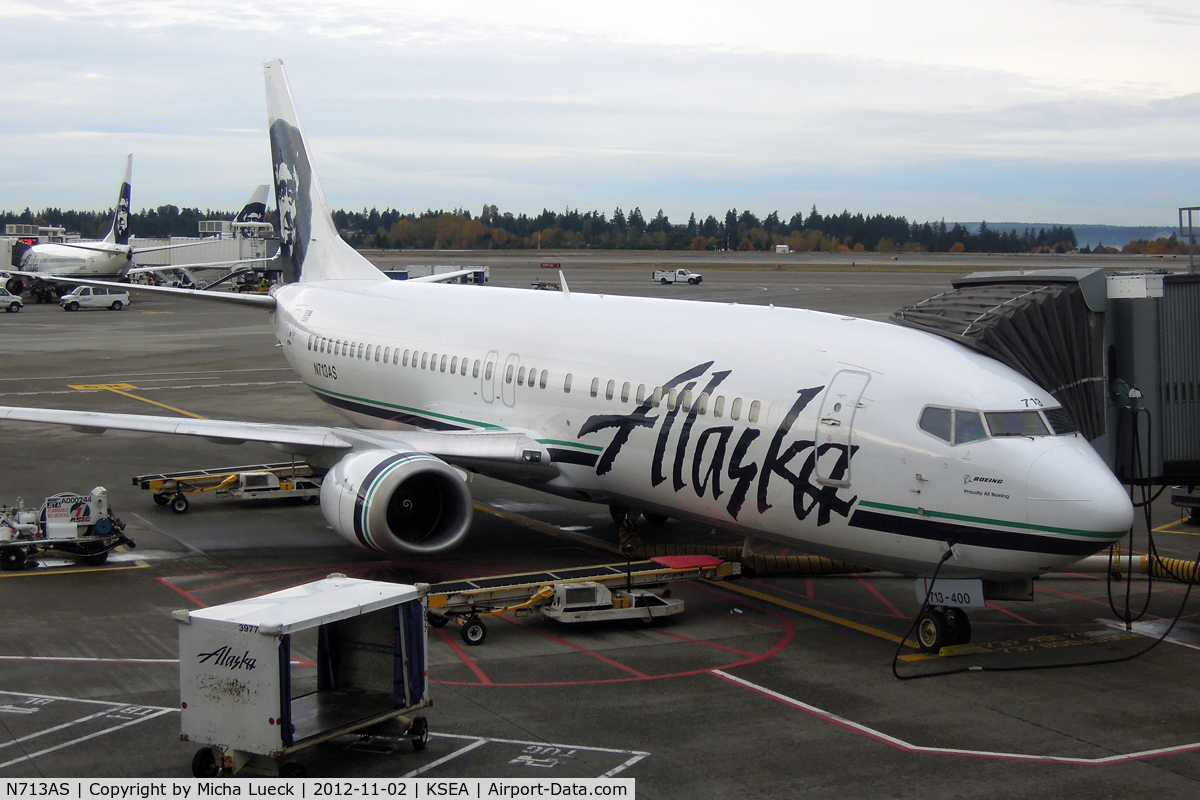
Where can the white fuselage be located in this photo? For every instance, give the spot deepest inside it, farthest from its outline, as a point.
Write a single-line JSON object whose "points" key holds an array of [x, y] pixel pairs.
{"points": [[846, 475], [102, 259]]}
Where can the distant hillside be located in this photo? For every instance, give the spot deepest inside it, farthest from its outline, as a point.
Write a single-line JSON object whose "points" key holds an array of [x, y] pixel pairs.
{"points": [[1087, 235]]}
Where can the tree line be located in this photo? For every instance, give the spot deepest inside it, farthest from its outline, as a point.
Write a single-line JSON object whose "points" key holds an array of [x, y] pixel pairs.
{"points": [[459, 229]]}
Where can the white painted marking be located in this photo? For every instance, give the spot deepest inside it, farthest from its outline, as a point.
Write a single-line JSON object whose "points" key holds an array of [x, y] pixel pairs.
{"points": [[31, 756], [109, 703], [1184, 634], [949, 751], [444, 759], [90, 660], [64, 725], [11, 709]]}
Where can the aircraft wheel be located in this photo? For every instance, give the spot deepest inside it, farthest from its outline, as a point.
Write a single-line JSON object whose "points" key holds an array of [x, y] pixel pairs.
{"points": [[179, 504], [72, 306], [293, 769], [933, 631], [12, 558], [160, 499], [663, 281], [14, 308], [116, 306], [419, 731], [204, 764], [960, 626], [655, 519], [474, 632]]}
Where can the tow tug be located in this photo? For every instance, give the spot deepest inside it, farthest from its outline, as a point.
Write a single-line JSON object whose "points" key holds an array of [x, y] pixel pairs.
{"points": [[249, 482], [81, 526], [576, 594]]}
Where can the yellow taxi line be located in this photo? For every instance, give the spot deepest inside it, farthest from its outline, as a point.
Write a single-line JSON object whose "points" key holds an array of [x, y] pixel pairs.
{"points": [[119, 388], [72, 570]]}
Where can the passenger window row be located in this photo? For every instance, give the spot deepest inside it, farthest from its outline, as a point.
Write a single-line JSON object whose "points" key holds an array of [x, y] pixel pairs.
{"points": [[685, 400]]}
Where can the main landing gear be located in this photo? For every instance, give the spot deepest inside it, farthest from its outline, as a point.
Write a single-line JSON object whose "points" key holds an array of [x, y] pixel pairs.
{"points": [[942, 626]]}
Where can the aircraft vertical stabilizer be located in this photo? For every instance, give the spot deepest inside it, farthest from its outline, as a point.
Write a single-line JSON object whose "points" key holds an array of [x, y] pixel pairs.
{"points": [[255, 209], [310, 247], [119, 232]]}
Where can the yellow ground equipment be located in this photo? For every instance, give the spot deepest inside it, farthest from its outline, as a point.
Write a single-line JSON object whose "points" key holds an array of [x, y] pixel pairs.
{"points": [[249, 482], [530, 594]]}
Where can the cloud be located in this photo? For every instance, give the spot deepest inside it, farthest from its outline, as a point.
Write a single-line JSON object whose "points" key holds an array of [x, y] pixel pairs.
{"points": [[686, 106]]}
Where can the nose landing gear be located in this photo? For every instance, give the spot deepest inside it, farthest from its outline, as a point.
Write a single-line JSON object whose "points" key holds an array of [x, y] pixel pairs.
{"points": [[942, 626]]}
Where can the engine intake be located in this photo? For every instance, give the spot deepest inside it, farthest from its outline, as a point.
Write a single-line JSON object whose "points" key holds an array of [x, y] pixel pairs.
{"points": [[393, 502]]}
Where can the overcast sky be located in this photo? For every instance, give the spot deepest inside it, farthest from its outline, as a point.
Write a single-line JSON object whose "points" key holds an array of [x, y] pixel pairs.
{"points": [[1026, 110]]}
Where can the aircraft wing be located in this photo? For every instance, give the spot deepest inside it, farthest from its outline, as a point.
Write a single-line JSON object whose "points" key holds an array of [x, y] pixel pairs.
{"points": [[256, 300], [445, 276], [503, 449], [160, 267]]}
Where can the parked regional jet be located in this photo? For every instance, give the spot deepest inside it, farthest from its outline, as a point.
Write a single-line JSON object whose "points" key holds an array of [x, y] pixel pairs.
{"points": [[860, 440]]}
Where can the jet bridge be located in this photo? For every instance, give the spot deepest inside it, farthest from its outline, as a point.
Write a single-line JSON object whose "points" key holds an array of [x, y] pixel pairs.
{"points": [[1089, 338]]}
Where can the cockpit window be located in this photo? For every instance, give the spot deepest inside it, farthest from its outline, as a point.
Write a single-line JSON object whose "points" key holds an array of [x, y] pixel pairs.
{"points": [[968, 427], [1060, 421], [1016, 423], [936, 421]]}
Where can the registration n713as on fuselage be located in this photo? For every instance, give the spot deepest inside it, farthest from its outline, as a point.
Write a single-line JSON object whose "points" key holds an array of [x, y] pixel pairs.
{"points": [[880, 445]]}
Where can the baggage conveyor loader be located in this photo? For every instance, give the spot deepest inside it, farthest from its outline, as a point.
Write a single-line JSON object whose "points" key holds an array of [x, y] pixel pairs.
{"points": [[249, 482], [577, 594]]}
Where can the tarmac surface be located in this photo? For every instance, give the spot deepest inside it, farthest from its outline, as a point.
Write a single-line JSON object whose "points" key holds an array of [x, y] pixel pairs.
{"points": [[767, 687]]}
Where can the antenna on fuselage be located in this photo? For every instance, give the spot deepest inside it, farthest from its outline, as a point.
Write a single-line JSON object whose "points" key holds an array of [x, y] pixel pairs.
{"points": [[562, 281]]}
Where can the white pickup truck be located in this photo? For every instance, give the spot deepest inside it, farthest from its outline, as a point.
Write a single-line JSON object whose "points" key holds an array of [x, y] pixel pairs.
{"points": [[665, 276]]}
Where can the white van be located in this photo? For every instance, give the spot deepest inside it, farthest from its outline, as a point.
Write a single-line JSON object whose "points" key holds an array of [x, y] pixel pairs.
{"points": [[9, 301], [94, 297]]}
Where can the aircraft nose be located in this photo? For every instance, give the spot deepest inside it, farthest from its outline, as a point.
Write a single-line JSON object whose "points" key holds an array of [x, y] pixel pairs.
{"points": [[1070, 487]]}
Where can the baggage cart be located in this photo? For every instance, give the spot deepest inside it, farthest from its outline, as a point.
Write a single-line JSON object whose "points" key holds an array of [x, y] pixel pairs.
{"points": [[249, 699]]}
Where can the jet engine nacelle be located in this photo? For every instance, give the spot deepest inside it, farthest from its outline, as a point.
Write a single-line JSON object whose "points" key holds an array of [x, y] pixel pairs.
{"points": [[394, 502]]}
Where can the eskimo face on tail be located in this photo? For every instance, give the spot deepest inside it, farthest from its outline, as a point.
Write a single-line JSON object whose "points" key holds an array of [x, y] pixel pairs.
{"points": [[293, 179], [121, 218]]}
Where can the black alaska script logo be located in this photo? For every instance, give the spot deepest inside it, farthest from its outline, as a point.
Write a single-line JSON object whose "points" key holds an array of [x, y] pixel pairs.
{"points": [[224, 657], [721, 465]]}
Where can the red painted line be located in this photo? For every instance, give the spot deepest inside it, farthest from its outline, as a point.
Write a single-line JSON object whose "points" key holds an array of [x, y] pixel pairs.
{"points": [[870, 587], [785, 551], [580, 648], [188, 595], [706, 644], [810, 589], [1071, 596], [234, 584], [484, 680], [770, 587], [1012, 614]]}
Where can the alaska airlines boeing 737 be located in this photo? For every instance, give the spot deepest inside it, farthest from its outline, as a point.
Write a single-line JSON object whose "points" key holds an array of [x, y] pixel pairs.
{"points": [[112, 256], [860, 440]]}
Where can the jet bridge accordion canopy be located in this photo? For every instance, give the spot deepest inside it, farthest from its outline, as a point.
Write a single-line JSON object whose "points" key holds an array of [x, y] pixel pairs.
{"points": [[1043, 330]]}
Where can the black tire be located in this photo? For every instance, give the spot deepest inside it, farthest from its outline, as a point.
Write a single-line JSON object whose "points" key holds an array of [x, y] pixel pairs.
{"points": [[160, 499], [655, 519], [691, 281], [12, 558], [933, 631], [179, 504], [116, 306], [204, 764], [72, 306], [419, 732], [14, 308], [474, 632], [293, 769], [437, 620], [663, 281], [96, 559], [314, 500], [960, 626]]}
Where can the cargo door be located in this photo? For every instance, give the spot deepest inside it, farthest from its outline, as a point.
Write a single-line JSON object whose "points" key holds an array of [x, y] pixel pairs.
{"points": [[835, 424]]}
